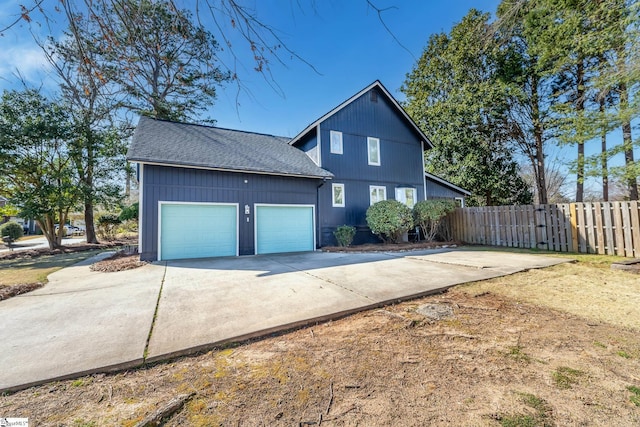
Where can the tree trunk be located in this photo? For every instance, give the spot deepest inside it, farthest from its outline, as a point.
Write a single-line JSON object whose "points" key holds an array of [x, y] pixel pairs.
{"points": [[580, 114], [627, 142], [603, 156], [90, 230]]}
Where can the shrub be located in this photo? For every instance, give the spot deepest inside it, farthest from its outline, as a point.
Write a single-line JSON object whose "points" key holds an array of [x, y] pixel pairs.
{"points": [[107, 226], [389, 220], [129, 212], [10, 232], [428, 214], [345, 234]]}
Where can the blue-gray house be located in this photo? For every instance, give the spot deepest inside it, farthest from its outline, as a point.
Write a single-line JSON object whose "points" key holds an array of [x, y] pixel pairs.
{"points": [[207, 191]]}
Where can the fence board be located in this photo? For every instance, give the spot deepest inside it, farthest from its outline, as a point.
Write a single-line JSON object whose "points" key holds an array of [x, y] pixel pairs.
{"points": [[617, 224], [601, 227], [626, 228], [607, 212], [591, 238], [635, 226]]}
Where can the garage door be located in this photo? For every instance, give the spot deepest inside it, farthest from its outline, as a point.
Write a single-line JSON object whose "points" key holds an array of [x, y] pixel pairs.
{"points": [[284, 228], [198, 230]]}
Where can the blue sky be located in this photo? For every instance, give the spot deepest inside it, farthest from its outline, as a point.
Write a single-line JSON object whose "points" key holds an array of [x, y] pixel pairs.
{"points": [[343, 40]]}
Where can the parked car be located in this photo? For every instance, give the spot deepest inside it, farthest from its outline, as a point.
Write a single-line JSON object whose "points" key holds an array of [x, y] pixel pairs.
{"points": [[68, 229]]}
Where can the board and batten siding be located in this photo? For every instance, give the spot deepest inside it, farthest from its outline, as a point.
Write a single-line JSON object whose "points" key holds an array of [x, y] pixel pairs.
{"points": [[178, 184], [435, 190], [400, 162]]}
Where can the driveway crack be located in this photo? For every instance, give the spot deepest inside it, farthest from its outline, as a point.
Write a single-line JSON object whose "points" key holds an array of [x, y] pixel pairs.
{"points": [[155, 316], [325, 280]]}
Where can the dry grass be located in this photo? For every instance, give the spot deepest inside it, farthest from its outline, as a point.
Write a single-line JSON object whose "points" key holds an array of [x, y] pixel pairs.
{"points": [[586, 288], [35, 270], [503, 359]]}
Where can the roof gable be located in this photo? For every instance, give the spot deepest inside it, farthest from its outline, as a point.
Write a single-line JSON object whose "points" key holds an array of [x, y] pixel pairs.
{"points": [[385, 93], [207, 147]]}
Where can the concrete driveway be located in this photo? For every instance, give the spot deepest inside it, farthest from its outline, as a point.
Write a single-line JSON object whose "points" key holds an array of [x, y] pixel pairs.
{"points": [[84, 322]]}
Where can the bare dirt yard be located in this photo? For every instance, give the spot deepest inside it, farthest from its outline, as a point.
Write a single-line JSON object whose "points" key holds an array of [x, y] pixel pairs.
{"points": [[558, 346]]}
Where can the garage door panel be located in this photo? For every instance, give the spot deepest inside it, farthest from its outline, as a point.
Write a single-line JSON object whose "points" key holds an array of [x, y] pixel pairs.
{"points": [[198, 230], [284, 229]]}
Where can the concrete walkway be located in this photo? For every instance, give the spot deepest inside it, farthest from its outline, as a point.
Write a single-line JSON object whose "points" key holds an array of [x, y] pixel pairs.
{"points": [[83, 322]]}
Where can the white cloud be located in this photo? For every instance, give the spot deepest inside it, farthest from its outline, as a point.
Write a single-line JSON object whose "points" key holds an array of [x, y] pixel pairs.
{"points": [[23, 62]]}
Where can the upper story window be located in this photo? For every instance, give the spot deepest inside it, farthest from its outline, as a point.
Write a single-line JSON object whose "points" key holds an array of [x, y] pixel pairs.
{"points": [[337, 191], [336, 142], [406, 195], [377, 194], [373, 150]]}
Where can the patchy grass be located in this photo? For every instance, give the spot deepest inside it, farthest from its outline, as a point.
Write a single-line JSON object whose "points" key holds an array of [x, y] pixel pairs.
{"points": [[564, 377], [500, 360], [541, 416], [35, 270], [635, 395]]}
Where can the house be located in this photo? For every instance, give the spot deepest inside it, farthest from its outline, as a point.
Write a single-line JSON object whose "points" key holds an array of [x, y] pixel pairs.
{"points": [[207, 191]]}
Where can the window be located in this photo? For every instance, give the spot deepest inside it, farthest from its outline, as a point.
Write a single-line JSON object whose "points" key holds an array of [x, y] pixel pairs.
{"points": [[377, 194], [336, 142], [373, 148], [459, 202], [338, 195], [406, 195]]}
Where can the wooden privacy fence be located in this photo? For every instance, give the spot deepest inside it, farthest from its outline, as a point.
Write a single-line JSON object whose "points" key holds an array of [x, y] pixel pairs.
{"points": [[611, 228]]}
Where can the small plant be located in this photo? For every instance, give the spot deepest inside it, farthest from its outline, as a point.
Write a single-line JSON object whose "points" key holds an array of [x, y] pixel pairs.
{"points": [[10, 232], [344, 235], [564, 377], [107, 226], [429, 216], [624, 354], [635, 398], [599, 344], [516, 353], [541, 417], [389, 220], [129, 212]]}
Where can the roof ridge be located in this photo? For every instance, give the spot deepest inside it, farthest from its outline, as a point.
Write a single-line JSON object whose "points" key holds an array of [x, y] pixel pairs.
{"points": [[214, 127]]}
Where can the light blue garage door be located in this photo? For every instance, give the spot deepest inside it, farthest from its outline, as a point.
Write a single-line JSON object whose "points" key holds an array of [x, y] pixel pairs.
{"points": [[284, 229], [198, 230]]}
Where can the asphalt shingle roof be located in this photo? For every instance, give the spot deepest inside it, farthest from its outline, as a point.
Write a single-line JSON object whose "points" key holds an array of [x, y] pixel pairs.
{"points": [[182, 144]]}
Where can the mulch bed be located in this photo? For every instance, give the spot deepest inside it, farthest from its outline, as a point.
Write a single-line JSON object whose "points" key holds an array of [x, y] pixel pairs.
{"points": [[7, 292], [391, 247], [120, 261]]}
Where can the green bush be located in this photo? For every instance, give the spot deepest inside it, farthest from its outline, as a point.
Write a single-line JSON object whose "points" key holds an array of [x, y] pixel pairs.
{"points": [[10, 232], [108, 226], [389, 220], [345, 234], [129, 212], [428, 215]]}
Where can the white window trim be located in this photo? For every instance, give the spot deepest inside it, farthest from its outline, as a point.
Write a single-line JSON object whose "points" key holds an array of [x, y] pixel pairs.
{"points": [[461, 199], [333, 199], [377, 187], [400, 195], [335, 134], [371, 140]]}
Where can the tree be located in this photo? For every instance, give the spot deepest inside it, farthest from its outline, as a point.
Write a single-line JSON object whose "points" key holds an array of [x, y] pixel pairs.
{"points": [[163, 64], [97, 148], [38, 171], [455, 94]]}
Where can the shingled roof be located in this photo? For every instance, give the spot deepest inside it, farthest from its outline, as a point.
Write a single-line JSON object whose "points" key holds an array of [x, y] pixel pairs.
{"points": [[181, 144]]}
